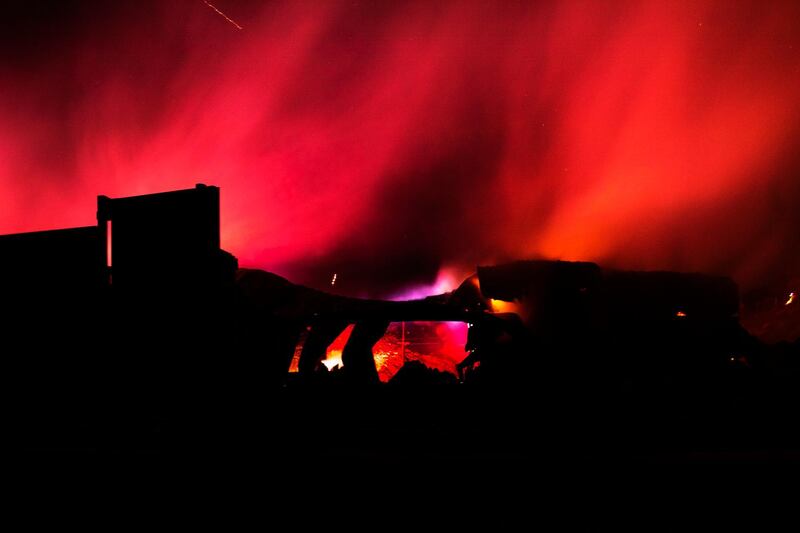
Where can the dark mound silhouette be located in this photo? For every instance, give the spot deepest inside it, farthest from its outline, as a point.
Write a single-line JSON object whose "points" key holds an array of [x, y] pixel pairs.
{"points": [[141, 335]]}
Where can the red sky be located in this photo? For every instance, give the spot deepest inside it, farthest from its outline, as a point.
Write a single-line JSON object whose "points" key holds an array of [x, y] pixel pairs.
{"points": [[394, 143]]}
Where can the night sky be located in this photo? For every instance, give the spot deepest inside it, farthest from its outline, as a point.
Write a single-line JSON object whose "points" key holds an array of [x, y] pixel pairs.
{"points": [[399, 144]]}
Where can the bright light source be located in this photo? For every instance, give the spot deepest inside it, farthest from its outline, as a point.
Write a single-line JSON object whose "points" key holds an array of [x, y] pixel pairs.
{"points": [[333, 360]]}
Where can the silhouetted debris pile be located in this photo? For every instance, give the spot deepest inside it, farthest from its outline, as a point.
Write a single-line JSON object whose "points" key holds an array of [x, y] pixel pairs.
{"points": [[142, 329], [415, 374]]}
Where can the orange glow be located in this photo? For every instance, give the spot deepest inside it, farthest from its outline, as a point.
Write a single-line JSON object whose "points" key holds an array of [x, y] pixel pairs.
{"points": [[680, 314], [382, 360], [333, 359], [501, 306], [438, 345], [108, 243], [333, 356], [791, 299], [646, 135]]}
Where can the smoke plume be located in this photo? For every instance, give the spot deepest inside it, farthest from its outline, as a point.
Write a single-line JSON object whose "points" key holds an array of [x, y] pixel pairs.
{"points": [[390, 143]]}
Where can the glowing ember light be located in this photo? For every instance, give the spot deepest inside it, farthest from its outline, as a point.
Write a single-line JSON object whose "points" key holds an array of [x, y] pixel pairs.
{"points": [[438, 345], [790, 300], [333, 359], [333, 355], [223, 15], [381, 359], [108, 243], [333, 280], [680, 314], [501, 306]]}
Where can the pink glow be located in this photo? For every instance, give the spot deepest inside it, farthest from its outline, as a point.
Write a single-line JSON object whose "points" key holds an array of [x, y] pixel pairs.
{"points": [[643, 134]]}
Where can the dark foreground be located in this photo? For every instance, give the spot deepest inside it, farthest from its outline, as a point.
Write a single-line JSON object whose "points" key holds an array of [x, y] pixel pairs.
{"points": [[437, 433], [438, 455]]}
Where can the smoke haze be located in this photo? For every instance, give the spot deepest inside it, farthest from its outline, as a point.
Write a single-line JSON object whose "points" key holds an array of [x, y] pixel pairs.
{"points": [[393, 142]]}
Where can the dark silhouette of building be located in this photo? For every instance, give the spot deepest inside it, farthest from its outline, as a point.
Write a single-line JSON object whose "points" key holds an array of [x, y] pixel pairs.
{"points": [[143, 320]]}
